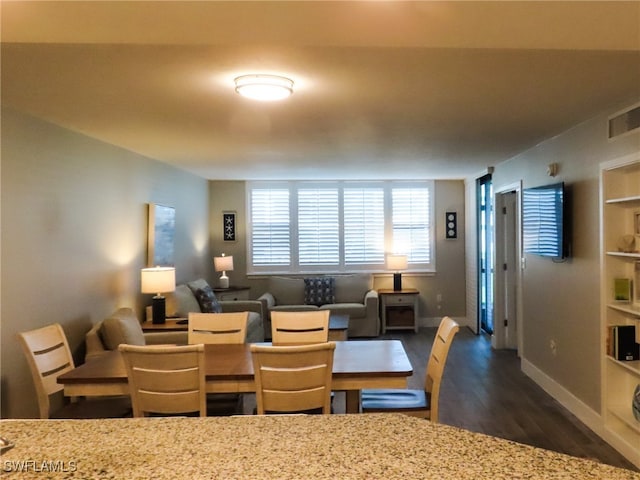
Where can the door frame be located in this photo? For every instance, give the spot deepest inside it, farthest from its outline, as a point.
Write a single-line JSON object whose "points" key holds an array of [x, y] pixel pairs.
{"points": [[498, 340]]}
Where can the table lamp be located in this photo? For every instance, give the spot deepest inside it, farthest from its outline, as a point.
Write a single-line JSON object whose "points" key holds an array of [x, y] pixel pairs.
{"points": [[222, 264], [397, 263], [158, 280]]}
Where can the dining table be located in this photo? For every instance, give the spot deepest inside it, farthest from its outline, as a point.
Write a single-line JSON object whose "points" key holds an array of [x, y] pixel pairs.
{"points": [[357, 365], [282, 447]]}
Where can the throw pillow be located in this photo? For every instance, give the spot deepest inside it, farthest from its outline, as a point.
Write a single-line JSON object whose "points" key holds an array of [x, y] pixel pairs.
{"points": [[207, 300], [319, 291]]}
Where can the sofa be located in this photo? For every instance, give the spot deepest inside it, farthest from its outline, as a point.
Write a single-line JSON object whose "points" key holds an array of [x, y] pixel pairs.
{"points": [[351, 295], [123, 325]]}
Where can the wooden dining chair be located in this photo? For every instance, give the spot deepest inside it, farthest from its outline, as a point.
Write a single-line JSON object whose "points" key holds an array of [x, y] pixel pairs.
{"points": [[297, 328], [208, 328], [49, 356], [166, 380], [292, 379], [420, 403], [218, 327]]}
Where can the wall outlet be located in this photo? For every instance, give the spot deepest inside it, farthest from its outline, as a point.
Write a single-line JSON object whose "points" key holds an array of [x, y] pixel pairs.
{"points": [[439, 298], [554, 347]]}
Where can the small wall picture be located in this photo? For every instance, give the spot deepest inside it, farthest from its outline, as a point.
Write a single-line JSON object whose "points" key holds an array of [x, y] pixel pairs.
{"points": [[636, 223], [622, 290], [229, 226]]}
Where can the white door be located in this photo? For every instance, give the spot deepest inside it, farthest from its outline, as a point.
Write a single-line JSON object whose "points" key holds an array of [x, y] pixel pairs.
{"points": [[507, 271]]}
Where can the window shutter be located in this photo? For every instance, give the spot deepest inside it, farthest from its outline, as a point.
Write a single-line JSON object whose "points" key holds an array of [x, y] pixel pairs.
{"points": [[411, 223], [318, 226], [271, 229], [364, 226]]}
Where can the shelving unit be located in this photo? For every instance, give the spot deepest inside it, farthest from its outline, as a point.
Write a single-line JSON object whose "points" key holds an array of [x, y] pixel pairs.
{"points": [[620, 202]]}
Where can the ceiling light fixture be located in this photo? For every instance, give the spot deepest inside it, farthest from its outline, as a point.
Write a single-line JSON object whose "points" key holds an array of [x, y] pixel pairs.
{"points": [[265, 88]]}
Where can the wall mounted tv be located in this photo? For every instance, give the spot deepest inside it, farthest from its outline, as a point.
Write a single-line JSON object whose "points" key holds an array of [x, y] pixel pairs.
{"points": [[544, 221]]}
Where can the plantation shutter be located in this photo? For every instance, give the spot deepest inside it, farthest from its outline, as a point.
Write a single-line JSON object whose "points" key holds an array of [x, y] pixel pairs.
{"points": [[318, 226], [364, 226], [271, 228]]}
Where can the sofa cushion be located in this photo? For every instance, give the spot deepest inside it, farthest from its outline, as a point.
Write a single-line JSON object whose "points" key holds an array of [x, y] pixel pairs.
{"points": [[182, 301], [287, 291], [121, 327], [352, 288], [354, 310], [205, 296], [319, 291]]}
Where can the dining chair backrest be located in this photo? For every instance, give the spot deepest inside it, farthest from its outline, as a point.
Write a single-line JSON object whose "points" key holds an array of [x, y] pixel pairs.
{"points": [[293, 378], [49, 356], [218, 327], [298, 328], [165, 379], [437, 360]]}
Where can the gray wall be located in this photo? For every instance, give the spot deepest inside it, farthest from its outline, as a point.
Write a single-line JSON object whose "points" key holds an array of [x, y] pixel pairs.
{"points": [[449, 279], [561, 301], [74, 229]]}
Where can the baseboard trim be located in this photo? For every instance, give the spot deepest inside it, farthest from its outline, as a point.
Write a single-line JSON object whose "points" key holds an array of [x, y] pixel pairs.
{"points": [[568, 400]]}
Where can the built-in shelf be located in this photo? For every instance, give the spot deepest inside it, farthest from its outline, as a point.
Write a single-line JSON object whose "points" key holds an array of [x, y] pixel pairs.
{"points": [[624, 413], [631, 199], [625, 255], [625, 308], [632, 366]]}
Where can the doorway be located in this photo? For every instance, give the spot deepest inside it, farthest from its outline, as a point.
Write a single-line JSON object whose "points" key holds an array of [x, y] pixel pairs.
{"points": [[507, 328], [484, 215]]}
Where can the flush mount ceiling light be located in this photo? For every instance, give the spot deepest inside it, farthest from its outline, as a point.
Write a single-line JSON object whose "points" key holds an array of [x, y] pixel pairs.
{"points": [[265, 88]]}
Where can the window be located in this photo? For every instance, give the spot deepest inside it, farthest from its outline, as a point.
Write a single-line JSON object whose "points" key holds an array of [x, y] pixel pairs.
{"points": [[309, 227]]}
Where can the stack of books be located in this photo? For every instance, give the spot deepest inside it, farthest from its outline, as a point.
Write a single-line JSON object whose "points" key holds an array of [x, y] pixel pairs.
{"points": [[621, 343]]}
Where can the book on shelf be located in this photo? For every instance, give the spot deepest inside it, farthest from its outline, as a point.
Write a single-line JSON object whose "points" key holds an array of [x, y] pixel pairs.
{"points": [[622, 290], [621, 343]]}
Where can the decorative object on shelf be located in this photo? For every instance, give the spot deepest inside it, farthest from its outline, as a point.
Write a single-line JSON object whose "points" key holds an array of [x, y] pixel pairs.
{"points": [[161, 234], [158, 280], [222, 264], [636, 284], [229, 226], [622, 290], [636, 223], [635, 404], [397, 263], [452, 224], [264, 88], [627, 244]]}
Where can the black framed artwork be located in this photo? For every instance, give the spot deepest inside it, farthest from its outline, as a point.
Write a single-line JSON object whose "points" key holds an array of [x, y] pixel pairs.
{"points": [[229, 226]]}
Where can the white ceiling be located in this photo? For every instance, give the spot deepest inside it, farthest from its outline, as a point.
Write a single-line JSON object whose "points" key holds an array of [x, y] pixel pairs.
{"points": [[384, 89]]}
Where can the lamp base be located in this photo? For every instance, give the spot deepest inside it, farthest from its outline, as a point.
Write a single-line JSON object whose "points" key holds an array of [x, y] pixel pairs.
{"points": [[159, 310], [224, 281], [397, 282]]}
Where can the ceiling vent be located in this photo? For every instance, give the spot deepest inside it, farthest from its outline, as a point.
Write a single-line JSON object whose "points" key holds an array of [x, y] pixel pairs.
{"points": [[625, 122]]}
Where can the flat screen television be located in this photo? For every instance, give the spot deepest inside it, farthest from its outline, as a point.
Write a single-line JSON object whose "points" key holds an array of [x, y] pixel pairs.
{"points": [[544, 221]]}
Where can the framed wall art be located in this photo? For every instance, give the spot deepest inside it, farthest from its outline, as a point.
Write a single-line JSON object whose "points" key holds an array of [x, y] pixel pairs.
{"points": [[161, 235], [229, 226]]}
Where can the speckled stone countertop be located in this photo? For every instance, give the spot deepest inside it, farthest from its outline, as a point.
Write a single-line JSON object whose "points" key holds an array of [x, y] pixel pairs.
{"points": [[278, 447]]}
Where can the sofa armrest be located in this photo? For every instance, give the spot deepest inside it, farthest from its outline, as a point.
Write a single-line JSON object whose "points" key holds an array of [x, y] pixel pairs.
{"points": [[371, 302], [229, 306], [171, 338], [268, 300], [94, 345]]}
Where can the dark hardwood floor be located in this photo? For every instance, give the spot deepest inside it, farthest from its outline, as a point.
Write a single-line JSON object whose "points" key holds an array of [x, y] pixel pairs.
{"points": [[485, 391]]}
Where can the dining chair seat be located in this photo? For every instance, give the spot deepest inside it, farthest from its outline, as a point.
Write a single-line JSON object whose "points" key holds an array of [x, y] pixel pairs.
{"points": [[383, 399], [419, 403]]}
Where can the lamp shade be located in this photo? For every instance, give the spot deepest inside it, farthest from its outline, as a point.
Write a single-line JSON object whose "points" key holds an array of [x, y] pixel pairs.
{"points": [[158, 279], [397, 262], [223, 264]]}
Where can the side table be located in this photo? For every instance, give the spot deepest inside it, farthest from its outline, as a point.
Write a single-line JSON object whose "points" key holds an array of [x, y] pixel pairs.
{"points": [[399, 309], [234, 292]]}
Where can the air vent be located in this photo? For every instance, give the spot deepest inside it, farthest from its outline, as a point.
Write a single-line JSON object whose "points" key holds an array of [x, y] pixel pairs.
{"points": [[625, 122]]}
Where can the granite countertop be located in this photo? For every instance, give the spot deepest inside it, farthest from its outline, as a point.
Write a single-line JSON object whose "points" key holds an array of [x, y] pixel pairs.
{"points": [[385, 446]]}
